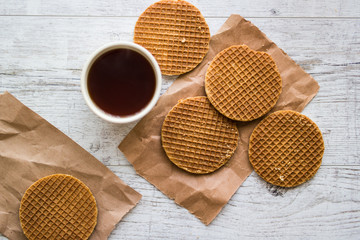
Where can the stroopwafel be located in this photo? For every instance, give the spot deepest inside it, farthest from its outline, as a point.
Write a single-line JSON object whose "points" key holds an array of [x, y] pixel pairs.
{"points": [[175, 33], [243, 84], [58, 206], [196, 137], [286, 148]]}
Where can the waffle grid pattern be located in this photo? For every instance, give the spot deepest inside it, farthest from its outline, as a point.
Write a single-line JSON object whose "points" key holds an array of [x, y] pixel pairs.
{"points": [[176, 33], [196, 137], [243, 84], [58, 207], [286, 148]]}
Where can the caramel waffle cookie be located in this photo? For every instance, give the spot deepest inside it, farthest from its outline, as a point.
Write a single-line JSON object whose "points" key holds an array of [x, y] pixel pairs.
{"points": [[243, 84], [196, 137], [175, 33], [58, 206], [286, 148]]}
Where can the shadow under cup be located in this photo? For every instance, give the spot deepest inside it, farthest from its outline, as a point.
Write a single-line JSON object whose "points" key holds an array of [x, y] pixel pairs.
{"points": [[121, 82]]}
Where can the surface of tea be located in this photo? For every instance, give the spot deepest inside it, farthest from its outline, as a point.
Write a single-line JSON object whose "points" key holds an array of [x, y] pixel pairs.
{"points": [[121, 82]]}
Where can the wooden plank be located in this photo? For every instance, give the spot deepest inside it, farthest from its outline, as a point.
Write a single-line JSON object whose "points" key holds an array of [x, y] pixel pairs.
{"points": [[326, 207], [42, 57], [246, 8]]}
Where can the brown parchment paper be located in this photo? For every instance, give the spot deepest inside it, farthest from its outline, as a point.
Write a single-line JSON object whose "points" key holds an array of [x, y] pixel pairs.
{"points": [[32, 148], [205, 195]]}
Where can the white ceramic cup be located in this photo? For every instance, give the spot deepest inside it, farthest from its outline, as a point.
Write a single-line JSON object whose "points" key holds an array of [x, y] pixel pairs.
{"points": [[84, 82]]}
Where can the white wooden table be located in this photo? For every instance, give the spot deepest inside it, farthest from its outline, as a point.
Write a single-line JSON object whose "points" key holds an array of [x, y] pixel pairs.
{"points": [[44, 44]]}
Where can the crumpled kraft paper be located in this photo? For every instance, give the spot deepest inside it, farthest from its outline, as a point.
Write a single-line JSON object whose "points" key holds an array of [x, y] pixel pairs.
{"points": [[205, 195], [32, 148]]}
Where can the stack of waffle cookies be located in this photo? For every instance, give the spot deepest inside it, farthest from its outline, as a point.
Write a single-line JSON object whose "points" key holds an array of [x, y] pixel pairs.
{"points": [[199, 134]]}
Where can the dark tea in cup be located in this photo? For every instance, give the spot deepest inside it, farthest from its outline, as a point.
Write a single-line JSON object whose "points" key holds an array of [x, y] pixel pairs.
{"points": [[121, 82]]}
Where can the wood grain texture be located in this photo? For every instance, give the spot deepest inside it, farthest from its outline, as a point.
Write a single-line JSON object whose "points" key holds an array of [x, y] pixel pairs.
{"points": [[326, 207], [246, 8], [47, 53], [43, 45]]}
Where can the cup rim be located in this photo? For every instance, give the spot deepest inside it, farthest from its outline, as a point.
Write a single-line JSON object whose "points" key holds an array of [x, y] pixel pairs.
{"points": [[106, 48]]}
